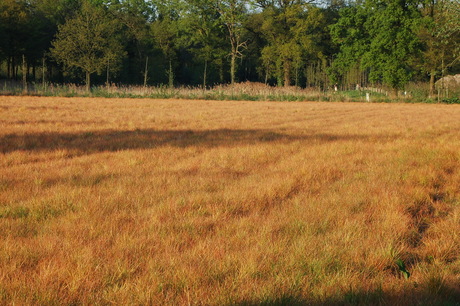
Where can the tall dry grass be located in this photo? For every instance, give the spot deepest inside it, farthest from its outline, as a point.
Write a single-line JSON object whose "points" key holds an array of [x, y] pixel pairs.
{"points": [[206, 202], [245, 91]]}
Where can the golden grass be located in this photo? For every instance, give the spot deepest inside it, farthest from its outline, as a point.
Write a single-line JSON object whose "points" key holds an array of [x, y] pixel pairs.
{"points": [[202, 202]]}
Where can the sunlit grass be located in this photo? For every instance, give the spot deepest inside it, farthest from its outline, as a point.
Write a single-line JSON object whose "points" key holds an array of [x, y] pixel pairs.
{"points": [[211, 202]]}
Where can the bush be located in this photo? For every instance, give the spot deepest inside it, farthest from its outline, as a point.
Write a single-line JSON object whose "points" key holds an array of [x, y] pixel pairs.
{"points": [[451, 100]]}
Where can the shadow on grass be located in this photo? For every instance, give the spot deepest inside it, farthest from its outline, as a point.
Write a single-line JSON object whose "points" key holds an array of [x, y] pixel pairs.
{"points": [[109, 140], [446, 296]]}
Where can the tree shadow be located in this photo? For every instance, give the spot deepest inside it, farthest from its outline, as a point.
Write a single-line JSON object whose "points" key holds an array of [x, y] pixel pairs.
{"points": [[111, 140], [423, 295]]}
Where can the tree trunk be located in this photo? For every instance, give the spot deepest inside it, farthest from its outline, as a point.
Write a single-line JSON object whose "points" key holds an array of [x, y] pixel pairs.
{"points": [[49, 71], [24, 74], [432, 75], [14, 68], [43, 73], [232, 68], [287, 73], [296, 76], [8, 68], [204, 74], [279, 74], [88, 81], [221, 71], [108, 74], [171, 75], [146, 71]]}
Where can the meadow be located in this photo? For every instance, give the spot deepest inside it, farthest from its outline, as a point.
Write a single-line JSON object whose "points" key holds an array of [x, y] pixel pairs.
{"points": [[185, 202]]}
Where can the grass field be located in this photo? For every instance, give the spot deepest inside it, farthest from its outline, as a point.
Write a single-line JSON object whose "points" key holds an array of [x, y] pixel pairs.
{"points": [[201, 202]]}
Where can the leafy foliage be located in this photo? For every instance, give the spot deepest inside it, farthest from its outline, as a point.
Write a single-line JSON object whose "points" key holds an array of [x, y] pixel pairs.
{"points": [[402, 268], [339, 44], [88, 41], [381, 37]]}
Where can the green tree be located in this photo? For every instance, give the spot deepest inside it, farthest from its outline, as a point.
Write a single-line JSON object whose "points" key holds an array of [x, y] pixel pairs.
{"points": [[166, 30], [440, 34], [233, 14], [47, 15], [294, 33], [204, 32], [350, 34], [15, 17], [380, 36], [394, 43], [135, 16], [2, 39], [88, 41], [26, 30]]}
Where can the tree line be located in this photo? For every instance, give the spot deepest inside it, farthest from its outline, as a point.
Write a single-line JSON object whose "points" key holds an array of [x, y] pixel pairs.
{"points": [[205, 42]]}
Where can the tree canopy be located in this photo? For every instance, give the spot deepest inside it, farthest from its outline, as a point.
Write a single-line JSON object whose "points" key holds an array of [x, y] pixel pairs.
{"points": [[206, 42], [88, 41]]}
